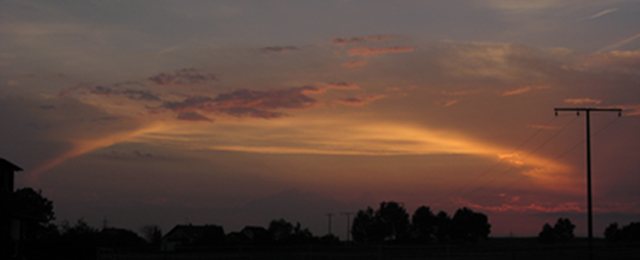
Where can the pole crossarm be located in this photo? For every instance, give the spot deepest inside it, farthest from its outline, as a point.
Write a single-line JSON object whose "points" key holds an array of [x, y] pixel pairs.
{"points": [[586, 109]]}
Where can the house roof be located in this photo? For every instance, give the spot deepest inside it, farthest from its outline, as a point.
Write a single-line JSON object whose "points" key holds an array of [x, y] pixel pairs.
{"points": [[192, 233], [7, 165]]}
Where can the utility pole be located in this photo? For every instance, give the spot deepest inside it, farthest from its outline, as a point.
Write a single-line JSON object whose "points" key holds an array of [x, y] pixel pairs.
{"points": [[348, 223], [589, 205], [329, 215]]}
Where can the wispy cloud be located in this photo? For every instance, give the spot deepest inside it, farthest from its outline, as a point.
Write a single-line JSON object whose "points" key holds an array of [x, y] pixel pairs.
{"points": [[278, 49], [352, 101], [143, 95], [182, 77], [539, 207], [193, 116], [354, 64], [461, 92], [603, 13], [372, 51], [197, 102], [342, 85], [620, 43], [577, 101], [522, 90], [356, 40], [631, 110]]}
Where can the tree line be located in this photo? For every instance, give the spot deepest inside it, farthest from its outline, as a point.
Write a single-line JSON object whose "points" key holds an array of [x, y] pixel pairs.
{"points": [[388, 224]]}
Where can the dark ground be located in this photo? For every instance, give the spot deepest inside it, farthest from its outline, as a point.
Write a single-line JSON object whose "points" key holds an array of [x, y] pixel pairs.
{"points": [[493, 248]]}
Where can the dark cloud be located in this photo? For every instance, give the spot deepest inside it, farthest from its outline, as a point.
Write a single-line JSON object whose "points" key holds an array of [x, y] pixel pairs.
{"points": [[250, 112], [106, 118], [342, 85], [128, 93], [278, 49], [351, 101], [293, 98], [140, 95], [102, 91], [372, 52], [47, 107], [357, 40], [244, 103], [189, 104], [182, 77], [139, 154], [128, 83], [193, 116]]}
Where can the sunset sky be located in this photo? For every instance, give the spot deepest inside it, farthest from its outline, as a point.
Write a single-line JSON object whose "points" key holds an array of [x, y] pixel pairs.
{"points": [[239, 112]]}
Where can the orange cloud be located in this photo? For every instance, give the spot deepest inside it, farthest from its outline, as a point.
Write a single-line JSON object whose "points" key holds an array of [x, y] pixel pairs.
{"points": [[85, 146], [540, 207], [341, 85], [577, 101], [631, 110], [372, 51], [359, 102], [450, 103], [461, 93], [522, 90], [354, 64]]}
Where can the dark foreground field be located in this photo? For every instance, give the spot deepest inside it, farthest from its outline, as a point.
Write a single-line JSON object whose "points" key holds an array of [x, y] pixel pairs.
{"points": [[495, 248]]}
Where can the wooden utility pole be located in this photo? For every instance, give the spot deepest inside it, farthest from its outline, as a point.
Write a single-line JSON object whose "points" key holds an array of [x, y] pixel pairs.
{"points": [[329, 215], [589, 205], [348, 223]]}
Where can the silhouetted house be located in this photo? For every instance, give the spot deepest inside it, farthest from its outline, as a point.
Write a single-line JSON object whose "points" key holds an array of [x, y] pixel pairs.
{"points": [[118, 237], [11, 217], [7, 169], [251, 235], [192, 236], [257, 234]]}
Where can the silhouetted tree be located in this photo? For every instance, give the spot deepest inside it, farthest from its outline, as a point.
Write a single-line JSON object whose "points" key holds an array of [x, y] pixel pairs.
{"points": [[366, 227], [423, 225], [389, 223], [78, 241], [394, 221], [38, 209], [301, 236], [280, 229], [547, 235], [562, 231], [443, 227], [612, 232], [469, 226], [629, 232]]}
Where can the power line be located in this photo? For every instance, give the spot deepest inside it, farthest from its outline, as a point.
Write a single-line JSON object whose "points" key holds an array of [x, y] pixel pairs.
{"points": [[482, 174], [551, 161], [526, 157]]}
